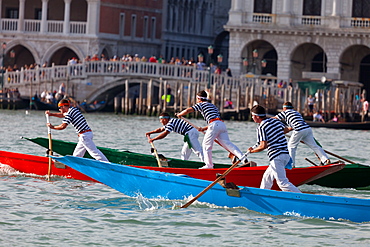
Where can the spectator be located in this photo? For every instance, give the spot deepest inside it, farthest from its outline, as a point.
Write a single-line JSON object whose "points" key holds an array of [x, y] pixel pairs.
{"points": [[365, 109], [317, 117], [228, 104], [228, 72]]}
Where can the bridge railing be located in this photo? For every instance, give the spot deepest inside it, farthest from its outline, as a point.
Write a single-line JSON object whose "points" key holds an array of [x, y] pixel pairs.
{"points": [[120, 68], [234, 87]]}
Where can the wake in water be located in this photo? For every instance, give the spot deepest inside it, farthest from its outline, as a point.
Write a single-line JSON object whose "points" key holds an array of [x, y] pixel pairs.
{"points": [[6, 170]]}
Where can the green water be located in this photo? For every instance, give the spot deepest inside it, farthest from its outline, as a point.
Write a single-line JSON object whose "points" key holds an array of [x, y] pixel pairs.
{"points": [[64, 212]]}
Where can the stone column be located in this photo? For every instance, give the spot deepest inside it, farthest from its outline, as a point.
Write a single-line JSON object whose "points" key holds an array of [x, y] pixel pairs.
{"points": [[236, 12], [1, 16], [333, 20], [67, 13], [284, 17], [44, 12], [335, 11], [21, 15], [283, 69], [286, 6], [93, 9]]}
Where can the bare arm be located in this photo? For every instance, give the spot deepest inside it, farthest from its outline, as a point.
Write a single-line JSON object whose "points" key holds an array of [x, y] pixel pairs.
{"points": [[160, 136], [58, 114], [159, 130], [184, 112], [62, 126], [261, 147]]}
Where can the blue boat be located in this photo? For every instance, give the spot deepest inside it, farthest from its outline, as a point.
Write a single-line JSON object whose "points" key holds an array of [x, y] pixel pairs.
{"points": [[133, 181]]}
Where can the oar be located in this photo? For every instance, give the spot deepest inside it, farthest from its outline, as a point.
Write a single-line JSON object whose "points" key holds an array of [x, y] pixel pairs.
{"points": [[231, 155], [155, 153], [335, 155], [339, 157], [310, 161], [216, 181], [50, 147]]}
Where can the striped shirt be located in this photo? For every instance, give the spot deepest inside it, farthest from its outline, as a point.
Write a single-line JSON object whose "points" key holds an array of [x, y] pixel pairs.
{"points": [[293, 119], [272, 131], [208, 110], [75, 117], [178, 126]]}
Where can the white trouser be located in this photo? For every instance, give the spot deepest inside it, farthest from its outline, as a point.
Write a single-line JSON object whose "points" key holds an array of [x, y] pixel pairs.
{"points": [[306, 136], [217, 130], [193, 135], [276, 170], [85, 143]]}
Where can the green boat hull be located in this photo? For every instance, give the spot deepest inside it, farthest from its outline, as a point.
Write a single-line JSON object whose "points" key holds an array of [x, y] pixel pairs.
{"points": [[351, 176], [120, 157]]}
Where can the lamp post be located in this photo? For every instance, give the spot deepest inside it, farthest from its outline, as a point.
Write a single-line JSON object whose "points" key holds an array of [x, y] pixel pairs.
{"points": [[2, 67], [254, 62], [210, 52]]}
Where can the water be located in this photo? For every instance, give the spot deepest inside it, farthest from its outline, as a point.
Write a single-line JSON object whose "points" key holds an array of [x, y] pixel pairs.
{"points": [[64, 212]]}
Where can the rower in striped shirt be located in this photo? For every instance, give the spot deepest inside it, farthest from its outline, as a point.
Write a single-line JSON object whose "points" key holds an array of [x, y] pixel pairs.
{"points": [[301, 131], [74, 117], [216, 129], [181, 127], [270, 135]]}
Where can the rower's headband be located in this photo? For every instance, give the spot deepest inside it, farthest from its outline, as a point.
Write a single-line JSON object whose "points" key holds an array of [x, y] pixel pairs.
{"points": [[163, 117], [288, 106], [63, 104], [200, 97], [260, 115]]}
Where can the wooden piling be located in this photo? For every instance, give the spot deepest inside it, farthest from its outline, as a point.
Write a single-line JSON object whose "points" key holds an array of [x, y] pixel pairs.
{"points": [[117, 104], [127, 97], [149, 97]]}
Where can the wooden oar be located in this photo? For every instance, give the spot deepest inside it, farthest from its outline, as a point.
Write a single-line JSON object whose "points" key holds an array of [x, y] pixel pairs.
{"points": [[231, 155], [310, 161], [333, 154], [216, 181], [50, 147], [339, 157], [155, 153]]}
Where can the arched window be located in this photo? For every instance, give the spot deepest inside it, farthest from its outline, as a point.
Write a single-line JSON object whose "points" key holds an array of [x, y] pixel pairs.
{"points": [[361, 8], [312, 7], [263, 6]]}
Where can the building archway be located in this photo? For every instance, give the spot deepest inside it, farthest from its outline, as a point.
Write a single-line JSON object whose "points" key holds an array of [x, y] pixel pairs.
{"points": [[61, 56], [354, 62], [365, 74], [307, 57], [259, 57], [18, 57]]}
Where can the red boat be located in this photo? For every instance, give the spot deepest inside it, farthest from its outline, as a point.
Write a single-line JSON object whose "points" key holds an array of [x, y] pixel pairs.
{"points": [[243, 176], [39, 165]]}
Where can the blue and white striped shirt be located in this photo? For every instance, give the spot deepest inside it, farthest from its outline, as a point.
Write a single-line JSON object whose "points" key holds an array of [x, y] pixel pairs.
{"points": [[272, 131], [178, 125], [293, 119], [208, 110], [75, 117]]}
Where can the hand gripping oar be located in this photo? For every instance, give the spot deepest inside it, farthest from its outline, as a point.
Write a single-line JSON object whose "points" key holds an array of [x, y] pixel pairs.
{"points": [[155, 153], [50, 147], [231, 155], [216, 181]]}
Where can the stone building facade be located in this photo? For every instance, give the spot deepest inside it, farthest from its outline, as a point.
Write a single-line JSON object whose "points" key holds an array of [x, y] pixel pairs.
{"points": [[295, 38], [52, 32]]}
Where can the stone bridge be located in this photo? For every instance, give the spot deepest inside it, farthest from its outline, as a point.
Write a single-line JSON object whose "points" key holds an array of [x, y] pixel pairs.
{"points": [[143, 85], [105, 80]]}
